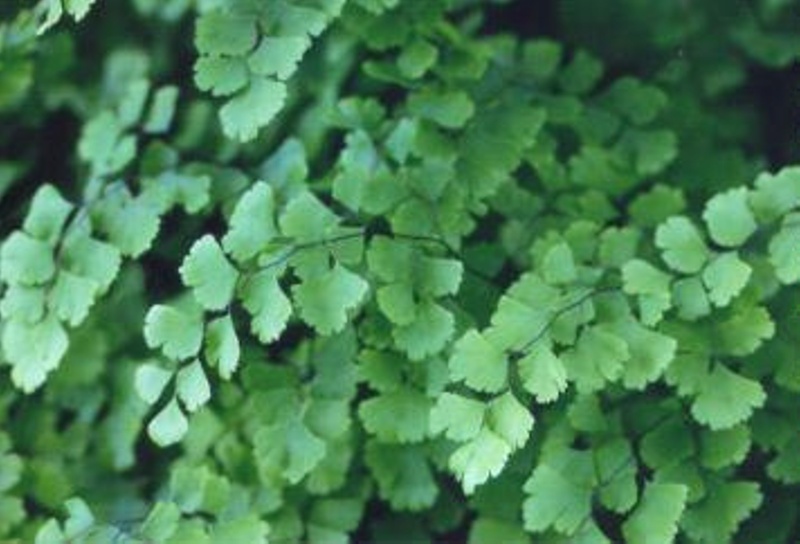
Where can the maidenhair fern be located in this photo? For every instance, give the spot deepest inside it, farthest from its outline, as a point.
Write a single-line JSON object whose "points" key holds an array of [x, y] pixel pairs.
{"points": [[380, 270]]}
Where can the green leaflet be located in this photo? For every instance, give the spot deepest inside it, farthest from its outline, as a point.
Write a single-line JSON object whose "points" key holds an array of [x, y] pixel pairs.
{"points": [[683, 248], [729, 218], [559, 497], [192, 386], [222, 346], [651, 285], [207, 271], [287, 450], [169, 425], [151, 381], [782, 252], [47, 215], [727, 503], [725, 277], [25, 260], [598, 357], [543, 374], [324, 301], [479, 363], [458, 417], [656, 517], [252, 224], [33, 350], [479, 459], [726, 398], [178, 333], [253, 108], [398, 416], [510, 420], [269, 307], [428, 333]]}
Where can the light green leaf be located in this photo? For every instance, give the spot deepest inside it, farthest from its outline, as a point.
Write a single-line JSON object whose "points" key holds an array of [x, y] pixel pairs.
{"points": [[690, 298], [615, 466], [150, 381], [725, 506], [161, 523], [429, 332], [25, 260], [208, 272], [479, 363], [397, 416], [252, 224], [653, 287], [390, 260], [222, 76], [416, 59], [720, 449], [79, 518], [543, 374], [448, 109], [252, 109], [479, 459], [92, 259], [597, 358], [325, 301], [725, 277], [618, 246], [33, 350], [23, 303], [726, 398], [655, 520], [437, 277], [683, 249], [222, 346], [776, 194], [559, 497], [287, 450], [192, 386], [729, 218], [225, 33], [162, 110], [50, 532], [510, 420], [169, 426], [131, 223], [667, 444], [176, 332], [558, 265], [306, 219], [269, 307], [72, 296], [397, 303], [783, 252], [460, 418], [523, 311], [657, 205], [746, 330], [47, 215], [78, 8], [651, 353], [278, 56]]}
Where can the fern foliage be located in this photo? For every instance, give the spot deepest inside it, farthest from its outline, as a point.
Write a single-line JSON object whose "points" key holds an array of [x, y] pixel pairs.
{"points": [[378, 270]]}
